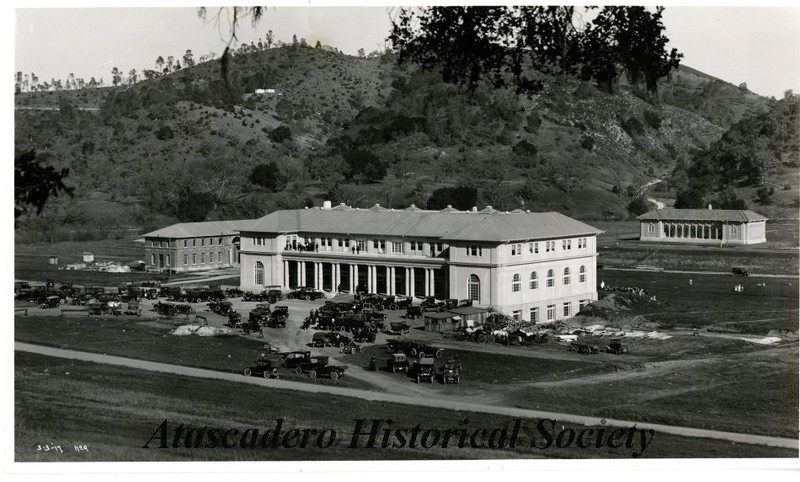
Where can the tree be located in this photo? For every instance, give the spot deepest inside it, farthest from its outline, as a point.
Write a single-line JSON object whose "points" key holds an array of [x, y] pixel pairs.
{"points": [[133, 77], [363, 166], [295, 43], [160, 64], [516, 45], [188, 59], [268, 176], [34, 183], [116, 77], [638, 206], [689, 199], [194, 206], [318, 45], [460, 197], [269, 39], [361, 53], [280, 134]]}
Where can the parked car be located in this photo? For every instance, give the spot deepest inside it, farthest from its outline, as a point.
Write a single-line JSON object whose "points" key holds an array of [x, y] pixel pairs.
{"points": [[221, 307], [307, 294], [740, 271], [318, 366], [52, 301], [274, 295], [294, 358], [451, 371], [414, 349], [423, 370], [398, 328], [266, 366], [331, 338], [398, 363], [250, 296]]}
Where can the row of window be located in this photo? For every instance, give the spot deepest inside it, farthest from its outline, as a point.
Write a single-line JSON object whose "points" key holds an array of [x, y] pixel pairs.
{"points": [[293, 242], [186, 258], [549, 246], [533, 279], [202, 242], [566, 310]]}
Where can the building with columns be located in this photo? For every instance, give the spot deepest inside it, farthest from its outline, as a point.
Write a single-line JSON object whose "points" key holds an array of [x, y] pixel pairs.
{"points": [[534, 266], [702, 226]]}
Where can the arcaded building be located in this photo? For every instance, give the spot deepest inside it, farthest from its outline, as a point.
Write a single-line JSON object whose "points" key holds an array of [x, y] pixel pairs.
{"points": [[534, 266], [703, 226], [193, 246]]}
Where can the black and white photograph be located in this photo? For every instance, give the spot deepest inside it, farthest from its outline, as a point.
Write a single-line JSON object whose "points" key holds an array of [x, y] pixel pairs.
{"points": [[379, 238]]}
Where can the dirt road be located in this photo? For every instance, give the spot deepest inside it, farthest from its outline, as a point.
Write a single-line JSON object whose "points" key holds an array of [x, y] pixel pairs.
{"points": [[416, 399]]}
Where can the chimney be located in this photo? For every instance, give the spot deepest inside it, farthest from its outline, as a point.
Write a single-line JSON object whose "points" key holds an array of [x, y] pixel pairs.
{"points": [[326, 204], [474, 209], [709, 206]]}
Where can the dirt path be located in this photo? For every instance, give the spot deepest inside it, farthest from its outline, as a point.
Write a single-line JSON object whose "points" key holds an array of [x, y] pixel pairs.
{"points": [[448, 403]]}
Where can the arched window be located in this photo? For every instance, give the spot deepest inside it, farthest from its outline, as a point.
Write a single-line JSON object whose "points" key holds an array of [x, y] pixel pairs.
{"points": [[474, 288], [582, 274], [516, 284], [259, 273], [551, 278], [566, 276], [534, 282]]}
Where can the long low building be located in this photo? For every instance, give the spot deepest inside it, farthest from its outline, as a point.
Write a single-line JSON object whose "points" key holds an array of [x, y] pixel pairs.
{"points": [[534, 266], [702, 226]]}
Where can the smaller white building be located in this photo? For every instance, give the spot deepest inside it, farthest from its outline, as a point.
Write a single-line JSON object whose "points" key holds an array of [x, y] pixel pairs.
{"points": [[703, 226]]}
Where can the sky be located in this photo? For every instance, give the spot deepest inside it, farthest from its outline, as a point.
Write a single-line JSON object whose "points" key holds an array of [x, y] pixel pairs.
{"points": [[756, 45]]}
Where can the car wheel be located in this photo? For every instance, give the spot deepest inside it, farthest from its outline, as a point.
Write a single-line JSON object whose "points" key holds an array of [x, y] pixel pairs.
{"points": [[421, 355], [413, 352], [298, 370], [439, 353], [341, 344], [275, 373], [394, 369], [266, 373], [417, 379], [312, 374], [334, 376], [248, 372]]}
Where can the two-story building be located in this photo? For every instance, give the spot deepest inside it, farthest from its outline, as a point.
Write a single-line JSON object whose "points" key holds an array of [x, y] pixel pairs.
{"points": [[703, 226], [193, 246], [535, 266]]}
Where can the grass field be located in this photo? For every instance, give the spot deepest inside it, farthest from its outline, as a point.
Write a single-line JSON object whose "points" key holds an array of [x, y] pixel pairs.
{"points": [[115, 411]]}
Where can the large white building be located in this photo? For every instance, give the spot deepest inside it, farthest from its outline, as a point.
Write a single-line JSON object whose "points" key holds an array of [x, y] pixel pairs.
{"points": [[535, 266]]}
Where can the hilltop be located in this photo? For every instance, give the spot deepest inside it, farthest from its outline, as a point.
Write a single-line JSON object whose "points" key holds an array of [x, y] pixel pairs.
{"points": [[197, 144]]}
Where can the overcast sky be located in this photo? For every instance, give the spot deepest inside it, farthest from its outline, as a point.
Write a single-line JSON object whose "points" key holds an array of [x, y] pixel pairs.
{"points": [[756, 45]]}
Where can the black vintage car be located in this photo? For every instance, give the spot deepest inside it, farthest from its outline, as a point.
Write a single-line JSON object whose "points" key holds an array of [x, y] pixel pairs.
{"points": [[250, 296], [293, 359], [423, 370], [414, 349], [398, 363], [221, 307], [307, 294], [318, 366], [398, 328], [50, 302], [266, 366], [234, 293], [332, 338], [274, 296]]}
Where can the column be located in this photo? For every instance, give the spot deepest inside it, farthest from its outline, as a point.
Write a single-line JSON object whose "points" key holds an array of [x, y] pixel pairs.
{"points": [[408, 286], [427, 282], [285, 274], [374, 279], [369, 279], [353, 271], [334, 277], [390, 270], [433, 282], [301, 273], [412, 289]]}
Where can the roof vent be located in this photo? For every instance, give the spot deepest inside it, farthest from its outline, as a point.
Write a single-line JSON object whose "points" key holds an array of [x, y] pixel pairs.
{"points": [[709, 206], [474, 209], [326, 205]]}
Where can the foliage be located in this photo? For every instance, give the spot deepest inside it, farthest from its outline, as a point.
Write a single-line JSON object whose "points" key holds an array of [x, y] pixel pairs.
{"points": [[194, 206], [633, 127], [638, 206], [515, 45], [652, 119], [35, 183], [689, 199], [587, 143], [459, 197], [280, 134], [363, 166], [268, 176]]}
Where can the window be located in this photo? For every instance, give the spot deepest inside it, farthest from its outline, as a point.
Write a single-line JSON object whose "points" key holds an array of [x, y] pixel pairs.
{"points": [[551, 312], [566, 244], [325, 244], [211, 241], [550, 246], [533, 248], [567, 308], [651, 228], [534, 315], [397, 248], [515, 283], [582, 274], [185, 259], [517, 314], [361, 246], [185, 243], [474, 288], [194, 242], [194, 259], [259, 273], [516, 249], [439, 247], [474, 251], [416, 246], [566, 276], [202, 258], [219, 241], [379, 245], [219, 256], [202, 242], [551, 278], [734, 230], [534, 281]]}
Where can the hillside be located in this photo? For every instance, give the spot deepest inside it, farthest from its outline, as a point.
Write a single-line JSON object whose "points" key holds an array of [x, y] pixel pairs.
{"points": [[355, 130]]}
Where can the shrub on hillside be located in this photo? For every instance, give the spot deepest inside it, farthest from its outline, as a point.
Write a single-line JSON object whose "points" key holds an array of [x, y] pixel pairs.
{"points": [[280, 134], [587, 143], [268, 176], [460, 197], [652, 119], [534, 122], [165, 133], [633, 127], [638, 206]]}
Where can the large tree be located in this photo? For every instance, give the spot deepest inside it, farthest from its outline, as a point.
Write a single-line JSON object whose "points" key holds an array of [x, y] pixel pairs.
{"points": [[516, 45], [34, 183]]}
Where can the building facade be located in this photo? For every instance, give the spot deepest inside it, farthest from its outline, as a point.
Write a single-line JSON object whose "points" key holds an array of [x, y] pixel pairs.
{"points": [[703, 226], [534, 266], [193, 246]]}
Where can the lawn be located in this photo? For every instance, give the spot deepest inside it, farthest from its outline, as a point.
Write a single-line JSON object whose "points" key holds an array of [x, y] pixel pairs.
{"points": [[115, 411]]}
